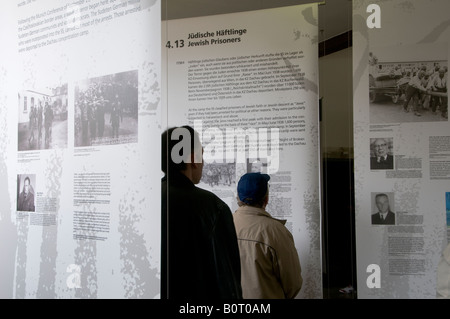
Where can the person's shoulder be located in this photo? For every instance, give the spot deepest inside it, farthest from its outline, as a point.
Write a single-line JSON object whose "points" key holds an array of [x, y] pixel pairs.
{"points": [[446, 254], [204, 192], [270, 223], [374, 164], [277, 226], [211, 197], [274, 232]]}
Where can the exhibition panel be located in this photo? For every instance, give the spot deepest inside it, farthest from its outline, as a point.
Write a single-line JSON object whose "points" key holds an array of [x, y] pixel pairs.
{"points": [[400, 61], [248, 83], [80, 123]]}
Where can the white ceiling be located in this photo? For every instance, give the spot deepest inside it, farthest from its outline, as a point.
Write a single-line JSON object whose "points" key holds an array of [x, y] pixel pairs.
{"points": [[335, 16]]}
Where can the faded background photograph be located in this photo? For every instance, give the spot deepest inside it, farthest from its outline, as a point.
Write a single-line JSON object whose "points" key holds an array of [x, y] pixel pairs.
{"points": [[391, 71], [219, 174], [106, 110], [42, 118]]}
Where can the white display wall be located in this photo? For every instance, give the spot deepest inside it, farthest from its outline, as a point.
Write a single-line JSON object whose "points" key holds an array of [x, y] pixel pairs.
{"points": [[393, 41], [79, 126], [248, 83]]}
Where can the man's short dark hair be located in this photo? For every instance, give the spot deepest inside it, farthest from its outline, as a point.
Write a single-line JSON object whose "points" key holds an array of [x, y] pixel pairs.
{"points": [[381, 195], [167, 144]]}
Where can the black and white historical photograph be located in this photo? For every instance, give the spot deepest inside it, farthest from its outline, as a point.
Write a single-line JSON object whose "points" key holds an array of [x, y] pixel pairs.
{"points": [[408, 83], [383, 211], [26, 195], [257, 166], [219, 174], [106, 110], [381, 153], [42, 118]]}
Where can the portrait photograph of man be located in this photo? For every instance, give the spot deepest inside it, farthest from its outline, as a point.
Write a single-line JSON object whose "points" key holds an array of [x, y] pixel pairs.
{"points": [[383, 209], [25, 193], [381, 153]]}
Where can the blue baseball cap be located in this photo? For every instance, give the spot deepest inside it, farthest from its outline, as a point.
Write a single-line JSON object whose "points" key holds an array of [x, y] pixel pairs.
{"points": [[252, 187]]}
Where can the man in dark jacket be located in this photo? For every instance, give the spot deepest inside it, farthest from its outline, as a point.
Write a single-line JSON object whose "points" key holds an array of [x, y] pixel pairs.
{"points": [[384, 216], [200, 253], [382, 159]]}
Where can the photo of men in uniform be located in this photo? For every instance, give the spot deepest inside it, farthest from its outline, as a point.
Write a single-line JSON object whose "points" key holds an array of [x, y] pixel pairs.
{"points": [[219, 174], [25, 193], [106, 110], [43, 118]]}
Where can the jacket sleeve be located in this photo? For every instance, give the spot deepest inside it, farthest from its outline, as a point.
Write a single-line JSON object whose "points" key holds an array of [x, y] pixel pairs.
{"points": [[288, 264], [443, 275], [226, 254]]}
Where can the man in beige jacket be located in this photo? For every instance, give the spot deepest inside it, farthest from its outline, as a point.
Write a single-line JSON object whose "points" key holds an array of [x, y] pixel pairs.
{"points": [[270, 265]]}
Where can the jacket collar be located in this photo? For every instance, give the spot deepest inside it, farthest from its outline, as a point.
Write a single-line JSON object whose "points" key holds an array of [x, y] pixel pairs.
{"points": [[256, 211], [177, 179]]}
